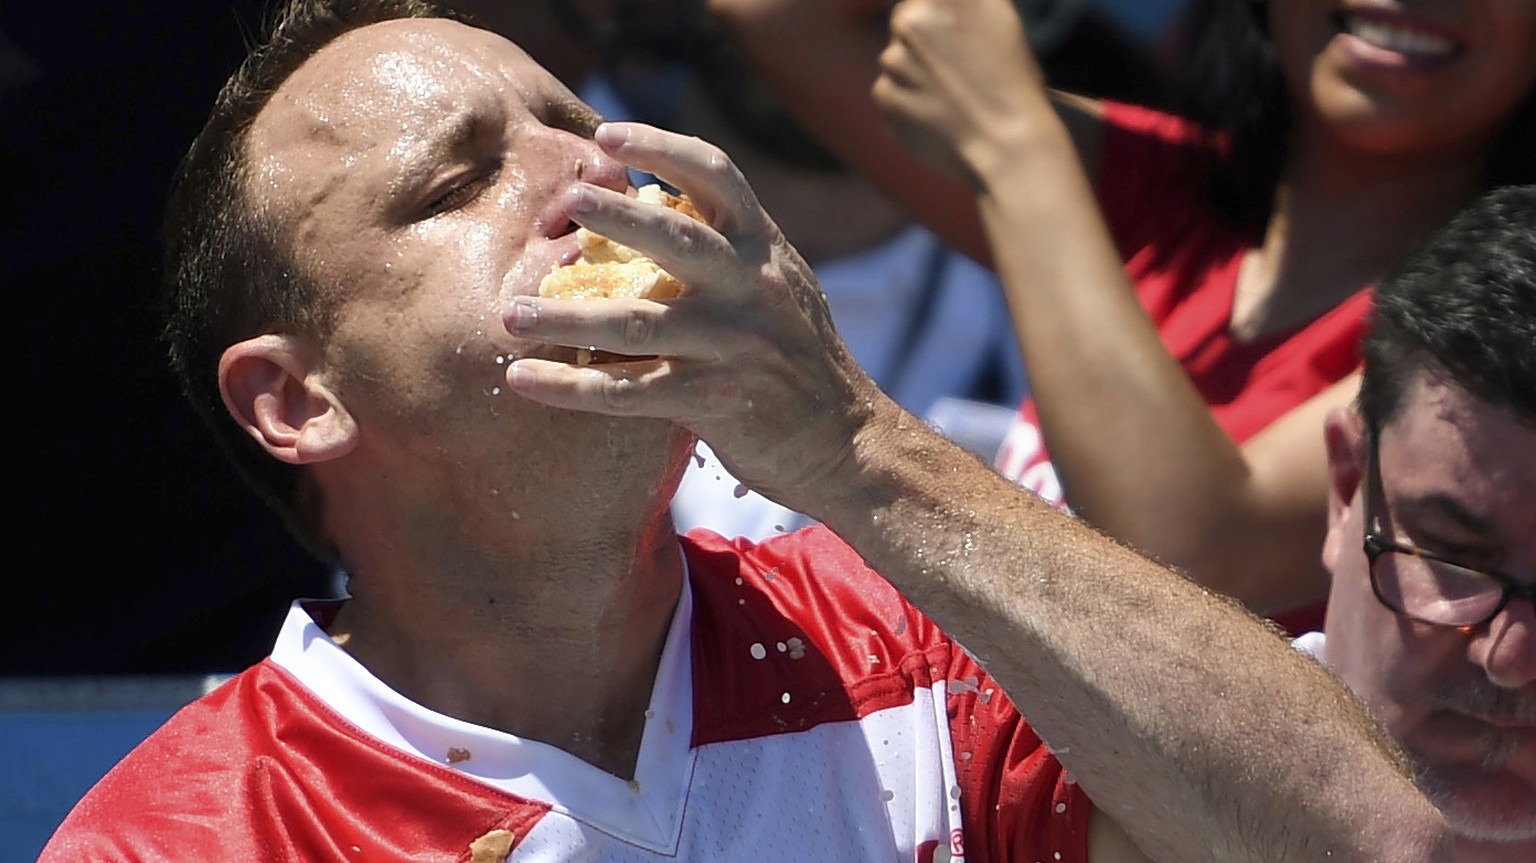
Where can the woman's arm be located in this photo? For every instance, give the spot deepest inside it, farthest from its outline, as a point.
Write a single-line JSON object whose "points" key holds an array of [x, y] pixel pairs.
{"points": [[1132, 440], [1134, 443]]}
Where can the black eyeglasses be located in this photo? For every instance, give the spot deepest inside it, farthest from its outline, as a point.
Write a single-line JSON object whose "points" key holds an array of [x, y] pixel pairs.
{"points": [[1423, 585]]}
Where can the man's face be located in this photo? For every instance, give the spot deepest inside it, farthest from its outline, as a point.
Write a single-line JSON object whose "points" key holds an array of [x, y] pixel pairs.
{"points": [[420, 168], [1458, 478]]}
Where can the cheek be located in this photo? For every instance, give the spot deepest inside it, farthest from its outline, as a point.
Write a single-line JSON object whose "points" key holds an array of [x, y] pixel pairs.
{"points": [[476, 247], [1511, 76], [1390, 663], [414, 359], [1361, 633]]}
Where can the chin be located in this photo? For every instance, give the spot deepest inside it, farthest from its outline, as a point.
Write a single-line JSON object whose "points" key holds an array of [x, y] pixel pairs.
{"points": [[1369, 124], [1482, 806]]}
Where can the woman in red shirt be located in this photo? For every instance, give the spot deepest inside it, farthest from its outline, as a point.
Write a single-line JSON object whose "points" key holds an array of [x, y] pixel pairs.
{"points": [[1187, 295]]}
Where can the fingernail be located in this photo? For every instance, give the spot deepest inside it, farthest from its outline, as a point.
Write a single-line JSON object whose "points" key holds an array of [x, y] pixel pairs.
{"points": [[523, 314], [519, 375], [610, 135], [581, 200]]}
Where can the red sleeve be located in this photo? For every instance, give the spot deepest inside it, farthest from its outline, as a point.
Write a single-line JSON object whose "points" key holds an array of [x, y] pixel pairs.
{"points": [[262, 770], [1151, 175], [1018, 802]]}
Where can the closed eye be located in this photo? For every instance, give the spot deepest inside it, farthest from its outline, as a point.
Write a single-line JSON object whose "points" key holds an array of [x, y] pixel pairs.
{"points": [[462, 193], [1472, 555]]}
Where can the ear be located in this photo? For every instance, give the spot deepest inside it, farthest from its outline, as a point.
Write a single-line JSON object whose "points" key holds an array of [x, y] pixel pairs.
{"points": [[273, 387], [1344, 438]]}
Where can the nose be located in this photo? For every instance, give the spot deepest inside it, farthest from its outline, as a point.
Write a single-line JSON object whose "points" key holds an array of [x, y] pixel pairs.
{"points": [[598, 168], [1506, 646]]}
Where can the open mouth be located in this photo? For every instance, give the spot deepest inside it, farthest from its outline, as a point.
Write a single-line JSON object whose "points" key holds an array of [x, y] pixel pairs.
{"points": [[1413, 40]]}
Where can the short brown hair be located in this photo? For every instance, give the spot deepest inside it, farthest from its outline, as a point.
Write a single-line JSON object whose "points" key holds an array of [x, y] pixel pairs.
{"points": [[229, 273]]}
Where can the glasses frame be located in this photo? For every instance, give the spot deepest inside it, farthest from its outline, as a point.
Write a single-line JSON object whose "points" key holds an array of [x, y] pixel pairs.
{"points": [[1377, 545]]}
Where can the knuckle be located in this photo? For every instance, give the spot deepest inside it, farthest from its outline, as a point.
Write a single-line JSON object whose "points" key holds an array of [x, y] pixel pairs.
{"points": [[687, 237], [717, 162], [620, 392], [638, 330]]}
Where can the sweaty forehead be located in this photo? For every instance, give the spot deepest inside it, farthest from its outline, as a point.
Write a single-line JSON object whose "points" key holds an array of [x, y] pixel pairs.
{"points": [[388, 83]]}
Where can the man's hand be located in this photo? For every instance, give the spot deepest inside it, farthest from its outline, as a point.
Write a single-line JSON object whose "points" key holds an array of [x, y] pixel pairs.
{"points": [[747, 358]]}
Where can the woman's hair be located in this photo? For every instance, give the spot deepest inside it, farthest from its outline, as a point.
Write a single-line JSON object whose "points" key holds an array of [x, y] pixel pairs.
{"points": [[1231, 82]]}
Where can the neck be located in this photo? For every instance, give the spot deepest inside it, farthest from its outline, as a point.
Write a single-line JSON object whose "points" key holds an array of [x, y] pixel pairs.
{"points": [[1385, 203], [523, 624], [1342, 220]]}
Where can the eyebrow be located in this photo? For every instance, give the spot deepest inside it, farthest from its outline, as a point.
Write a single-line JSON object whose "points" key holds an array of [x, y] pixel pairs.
{"points": [[1442, 504], [420, 157]]}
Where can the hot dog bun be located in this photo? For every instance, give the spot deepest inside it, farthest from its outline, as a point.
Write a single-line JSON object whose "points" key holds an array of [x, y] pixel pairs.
{"points": [[611, 269]]}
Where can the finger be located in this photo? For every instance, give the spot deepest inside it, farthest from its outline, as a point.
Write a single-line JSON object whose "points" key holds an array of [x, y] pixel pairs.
{"points": [[640, 388], [693, 251], [618, 326], [700, 169], [898, 64]]}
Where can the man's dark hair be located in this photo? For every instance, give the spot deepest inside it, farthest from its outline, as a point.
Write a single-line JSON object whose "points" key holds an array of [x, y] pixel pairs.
{"points": [[1462, 305], [229, 271], [1231, 83]]}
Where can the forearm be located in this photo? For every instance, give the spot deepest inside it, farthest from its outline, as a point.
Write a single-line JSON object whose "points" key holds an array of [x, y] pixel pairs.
{"points": [[1134, 443], [1198, 730], [1203, 734]]}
